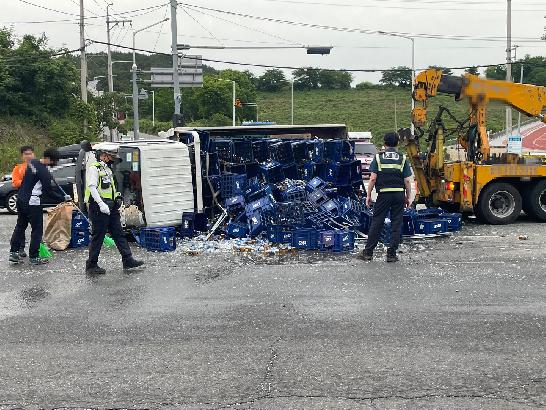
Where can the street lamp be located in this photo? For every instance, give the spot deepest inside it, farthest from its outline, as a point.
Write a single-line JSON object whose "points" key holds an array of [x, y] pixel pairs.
{"points": [[135, 86], [292, 105], [412, 39], [233, 102]]}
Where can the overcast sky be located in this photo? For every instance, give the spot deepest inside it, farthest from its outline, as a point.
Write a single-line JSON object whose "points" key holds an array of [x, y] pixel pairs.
{"points": [[477, 18]]}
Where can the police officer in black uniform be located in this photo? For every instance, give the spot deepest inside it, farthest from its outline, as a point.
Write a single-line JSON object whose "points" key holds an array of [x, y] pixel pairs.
{"points": [[390, 175]]}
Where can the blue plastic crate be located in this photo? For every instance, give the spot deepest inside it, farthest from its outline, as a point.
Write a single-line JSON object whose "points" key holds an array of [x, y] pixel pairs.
{"points": [[308, 170], [318, 197], [213, 167], [263, 203], [386, 233], [344, 241], [79, 222], [454, 221], [409, 222], [235, 202], [431, 226], [224, 148], [256, 224], [279, 234], [326, 239], [321, 170], [242, 151], [233, 168], [260, 150], [305, 239], [320, 220], [285, 213], [79, 238], [316, 150], [295, 195], [237, 230], [193, 222], [252, 170], [272, 172], [290, 171], [232, 185], [282, 152], [333, 150], [158, 239], [299, 150], [331, 206], [429, 213], [315, 183]]}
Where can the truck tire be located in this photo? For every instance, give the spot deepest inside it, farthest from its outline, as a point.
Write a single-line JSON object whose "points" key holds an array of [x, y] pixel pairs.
{"points": [[535, 200], [499, 204]]}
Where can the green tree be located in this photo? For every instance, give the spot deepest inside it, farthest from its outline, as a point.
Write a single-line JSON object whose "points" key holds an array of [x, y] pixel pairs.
{"points": [[33, 82], [272, 80], [397, 77], [335, 80], [306, 78]]}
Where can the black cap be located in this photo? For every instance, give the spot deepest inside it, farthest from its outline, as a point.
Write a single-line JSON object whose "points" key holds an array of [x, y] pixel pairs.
{"points": [[391, 139]]}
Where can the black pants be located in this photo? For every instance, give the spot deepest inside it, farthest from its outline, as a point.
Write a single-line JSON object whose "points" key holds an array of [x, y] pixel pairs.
{"points": [[102, 224], [26, 214], [387, 201]]}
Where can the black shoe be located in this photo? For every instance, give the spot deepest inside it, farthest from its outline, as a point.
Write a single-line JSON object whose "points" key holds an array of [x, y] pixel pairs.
{"points": [[366, 256], [38, 261], [391, 257], [22, 253], [95, 270], [14, 258], [132, 263]]}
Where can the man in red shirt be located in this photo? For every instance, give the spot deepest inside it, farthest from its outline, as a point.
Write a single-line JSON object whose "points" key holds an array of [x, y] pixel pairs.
{"points": [[17, 175]]}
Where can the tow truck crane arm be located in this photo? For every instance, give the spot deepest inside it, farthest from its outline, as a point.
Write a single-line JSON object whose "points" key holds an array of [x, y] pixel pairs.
{"points": [[528, 99], [429, 167]]}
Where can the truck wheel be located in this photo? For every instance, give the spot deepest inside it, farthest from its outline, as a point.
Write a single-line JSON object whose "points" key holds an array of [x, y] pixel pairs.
{"points": [[535, 201], [11, 203], [499, 204]]}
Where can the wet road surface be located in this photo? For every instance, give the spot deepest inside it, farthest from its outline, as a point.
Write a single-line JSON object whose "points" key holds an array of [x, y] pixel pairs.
{"points": [[460, 323]]}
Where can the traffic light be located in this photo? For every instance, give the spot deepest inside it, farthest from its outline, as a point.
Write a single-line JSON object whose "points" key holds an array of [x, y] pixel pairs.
{"points": [[238, 103]]}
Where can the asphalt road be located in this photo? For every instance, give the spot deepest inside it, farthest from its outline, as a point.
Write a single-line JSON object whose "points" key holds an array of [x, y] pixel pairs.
{"points": [[459, 323]]}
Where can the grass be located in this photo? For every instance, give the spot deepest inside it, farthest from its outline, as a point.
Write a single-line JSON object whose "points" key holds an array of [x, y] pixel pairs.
{"points": [[13, 134], [362, 110]]}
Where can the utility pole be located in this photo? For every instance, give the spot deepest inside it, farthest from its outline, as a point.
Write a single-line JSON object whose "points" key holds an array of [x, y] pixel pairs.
{"points": [[110, 77], [83, 63], [109, 25], [136, 125], [233, 105], [177, 118], [509, 64], [412, 82]]}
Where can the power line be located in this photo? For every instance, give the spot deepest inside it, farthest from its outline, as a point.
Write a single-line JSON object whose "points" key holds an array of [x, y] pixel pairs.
{"points": [[238, 24], [404, 7], [364, 70], [202, 26], [356, 30]]}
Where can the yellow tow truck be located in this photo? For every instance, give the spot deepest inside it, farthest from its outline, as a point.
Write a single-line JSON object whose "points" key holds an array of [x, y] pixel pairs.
{"points": [[495, 188]]}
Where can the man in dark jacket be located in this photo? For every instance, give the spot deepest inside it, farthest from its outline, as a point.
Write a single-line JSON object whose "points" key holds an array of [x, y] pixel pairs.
{"points": [[391, 176], [37, 181]]}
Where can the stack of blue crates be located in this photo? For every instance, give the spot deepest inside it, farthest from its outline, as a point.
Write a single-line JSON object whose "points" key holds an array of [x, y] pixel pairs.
{"points": [[79, 235]]}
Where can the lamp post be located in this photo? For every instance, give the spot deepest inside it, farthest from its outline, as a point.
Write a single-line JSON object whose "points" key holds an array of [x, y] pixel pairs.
{"points": [[118, 61], [412, 39], [153, 108], [292, 105], [135, 86]]}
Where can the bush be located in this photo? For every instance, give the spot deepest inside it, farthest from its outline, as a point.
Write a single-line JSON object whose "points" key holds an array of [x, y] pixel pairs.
{"points": [[65, 131]]}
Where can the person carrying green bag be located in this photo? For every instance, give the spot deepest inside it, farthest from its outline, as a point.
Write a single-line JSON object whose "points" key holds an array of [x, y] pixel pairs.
{"points": [[37, 180]]}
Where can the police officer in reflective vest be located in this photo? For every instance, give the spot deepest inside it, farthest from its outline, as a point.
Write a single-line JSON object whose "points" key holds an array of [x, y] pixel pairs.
{"points": [[104, 203], [390, 175]]}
